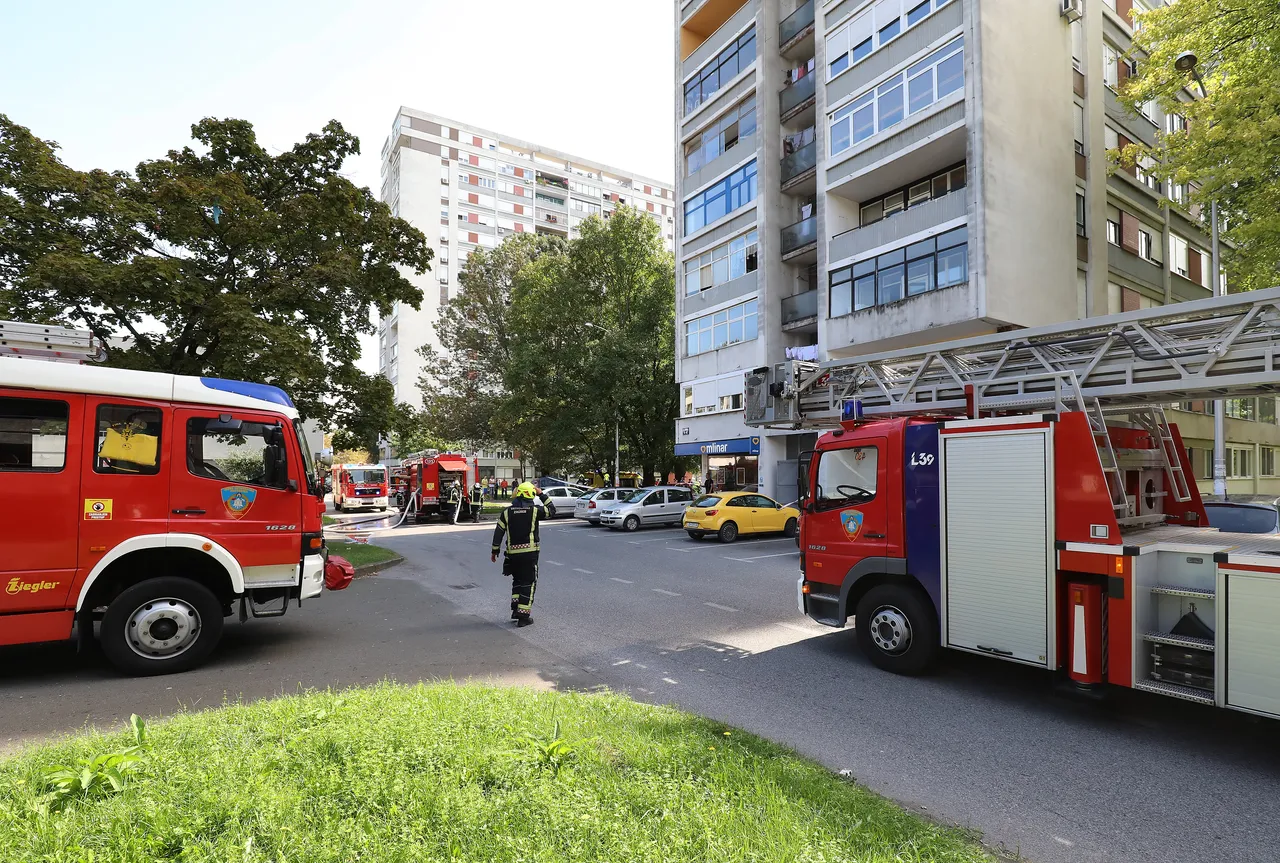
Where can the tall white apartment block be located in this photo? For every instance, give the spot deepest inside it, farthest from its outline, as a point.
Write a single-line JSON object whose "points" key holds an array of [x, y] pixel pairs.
{"points": [[468, 188], [862, 175]]}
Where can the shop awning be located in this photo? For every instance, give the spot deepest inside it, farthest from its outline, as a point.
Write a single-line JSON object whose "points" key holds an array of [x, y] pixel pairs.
{"points": [[452, 463]]}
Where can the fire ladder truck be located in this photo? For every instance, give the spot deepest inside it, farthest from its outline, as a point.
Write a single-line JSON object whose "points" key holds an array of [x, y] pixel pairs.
{"points": [[1024, 496]]}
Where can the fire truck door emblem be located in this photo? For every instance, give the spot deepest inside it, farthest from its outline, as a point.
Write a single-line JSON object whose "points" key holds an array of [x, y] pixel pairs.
{"points": [[238, 500], [851, 521]]}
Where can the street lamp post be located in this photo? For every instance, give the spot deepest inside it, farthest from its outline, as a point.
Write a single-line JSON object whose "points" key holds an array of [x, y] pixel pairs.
{"points": [[1187, 62]]}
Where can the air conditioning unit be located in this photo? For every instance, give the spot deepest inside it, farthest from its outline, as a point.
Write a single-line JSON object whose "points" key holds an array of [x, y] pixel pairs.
{"points": [[1072, 9]]}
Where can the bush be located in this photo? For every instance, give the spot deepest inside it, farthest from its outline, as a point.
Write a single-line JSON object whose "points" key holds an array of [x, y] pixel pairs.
{"points": [[450, 772]]}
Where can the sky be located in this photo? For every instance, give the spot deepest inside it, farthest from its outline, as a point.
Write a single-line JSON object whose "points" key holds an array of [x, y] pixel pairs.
{"points": [[114, 83]]}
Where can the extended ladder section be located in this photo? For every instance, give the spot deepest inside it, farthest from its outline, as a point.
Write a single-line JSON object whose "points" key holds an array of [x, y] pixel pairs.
{"points": [[59, 344], [1222, 347]]}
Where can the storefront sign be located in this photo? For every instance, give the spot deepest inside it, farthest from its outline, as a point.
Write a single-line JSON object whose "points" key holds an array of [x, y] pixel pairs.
{"points": [[737, 446]]}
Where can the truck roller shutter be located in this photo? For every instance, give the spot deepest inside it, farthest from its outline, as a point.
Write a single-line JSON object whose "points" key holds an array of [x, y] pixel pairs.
{"points": [[998, 544]]}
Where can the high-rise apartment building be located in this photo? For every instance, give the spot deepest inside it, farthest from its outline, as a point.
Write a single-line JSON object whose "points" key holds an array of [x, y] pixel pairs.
{"points": [[863, 175], [468, 188]]}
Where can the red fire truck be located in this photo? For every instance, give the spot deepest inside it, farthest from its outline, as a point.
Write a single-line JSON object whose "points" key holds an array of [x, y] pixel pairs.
{"points": [[152, 505], [428, 475], [360, 486], [1023, 496]]}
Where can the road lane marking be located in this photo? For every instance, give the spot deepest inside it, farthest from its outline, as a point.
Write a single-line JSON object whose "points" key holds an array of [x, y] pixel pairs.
{"points": [[681, 550], [669, 680], [643, 541], [623, 580], [583, 571], [721, 607], [622, 662], [763, 556], [555, 563], [667, 592]]}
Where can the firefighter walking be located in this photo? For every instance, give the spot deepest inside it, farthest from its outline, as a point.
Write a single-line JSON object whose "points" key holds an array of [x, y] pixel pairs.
{"points": [[477, 501], [519, 524]]}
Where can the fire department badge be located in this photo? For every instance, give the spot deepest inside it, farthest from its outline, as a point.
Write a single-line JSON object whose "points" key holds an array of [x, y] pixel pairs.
{"points": [[851, 521], [238, 499]]}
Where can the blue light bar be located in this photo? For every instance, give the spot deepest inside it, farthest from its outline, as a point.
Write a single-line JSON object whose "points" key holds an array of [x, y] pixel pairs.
{"points": [[851, 410], [264, 392]]}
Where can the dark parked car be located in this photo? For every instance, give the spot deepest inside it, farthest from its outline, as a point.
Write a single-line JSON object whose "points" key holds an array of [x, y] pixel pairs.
{"points": [[1240, 516]]}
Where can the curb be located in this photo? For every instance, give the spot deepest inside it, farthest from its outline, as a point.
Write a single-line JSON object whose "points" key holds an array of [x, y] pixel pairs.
{"points": [[374, 568]]}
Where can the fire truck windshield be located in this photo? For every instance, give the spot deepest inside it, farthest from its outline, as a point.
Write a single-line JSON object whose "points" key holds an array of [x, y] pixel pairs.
{"points": [[313, 481], [368, 476]]}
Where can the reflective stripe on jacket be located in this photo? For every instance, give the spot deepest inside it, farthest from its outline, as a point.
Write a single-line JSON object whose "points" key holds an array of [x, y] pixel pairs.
{"points": [[519, 523]]}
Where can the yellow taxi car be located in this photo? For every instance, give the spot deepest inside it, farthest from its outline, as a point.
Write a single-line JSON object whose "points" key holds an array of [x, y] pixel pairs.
{"points": [[730, 513]]}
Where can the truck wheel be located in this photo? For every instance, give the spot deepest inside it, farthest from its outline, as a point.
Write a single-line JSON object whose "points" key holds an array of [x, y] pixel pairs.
{"points": [[791, 529], [631, 523], [728, 532], [161, 626], [896, 629]]}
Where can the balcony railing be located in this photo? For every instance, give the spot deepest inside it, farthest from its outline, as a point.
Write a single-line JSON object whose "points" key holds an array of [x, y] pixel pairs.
{"points": [[799, 235], [797, 163], [796, 23], [799, 307], [796, 94]]}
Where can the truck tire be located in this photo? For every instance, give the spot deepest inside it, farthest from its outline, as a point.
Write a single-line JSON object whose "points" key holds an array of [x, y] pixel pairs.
{"points": [[728, 532], [897, 629], [161, 626]]}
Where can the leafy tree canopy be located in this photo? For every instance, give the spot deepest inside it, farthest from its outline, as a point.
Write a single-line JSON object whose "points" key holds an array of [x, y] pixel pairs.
{"points": [[216, 259], [1232, 145]]}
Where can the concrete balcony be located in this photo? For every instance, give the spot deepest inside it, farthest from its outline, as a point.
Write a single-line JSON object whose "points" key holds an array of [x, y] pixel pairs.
{"points": [[795, 32], [800, 166], [915, 220], [902, 154], [800, 240], [800, 311], [797, 99]]}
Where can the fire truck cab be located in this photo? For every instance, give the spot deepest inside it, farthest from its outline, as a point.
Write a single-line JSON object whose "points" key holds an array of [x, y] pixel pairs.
{"points": [[360, 486], [152, 506]]}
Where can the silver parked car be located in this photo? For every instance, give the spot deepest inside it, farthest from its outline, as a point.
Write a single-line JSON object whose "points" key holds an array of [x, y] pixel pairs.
{"points": [[561, 499], [590, 505], [648, 506]]}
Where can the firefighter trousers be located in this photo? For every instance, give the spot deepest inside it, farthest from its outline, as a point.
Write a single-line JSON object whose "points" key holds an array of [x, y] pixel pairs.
{"points": [[524, 580]]}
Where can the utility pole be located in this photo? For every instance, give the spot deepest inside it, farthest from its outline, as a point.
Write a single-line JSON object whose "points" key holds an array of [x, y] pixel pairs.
{"points": [[1187, 62]]}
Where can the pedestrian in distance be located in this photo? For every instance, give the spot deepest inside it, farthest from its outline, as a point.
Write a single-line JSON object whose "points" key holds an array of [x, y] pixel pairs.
{"points": [[519, 524], [710, 484], [504, 489]]}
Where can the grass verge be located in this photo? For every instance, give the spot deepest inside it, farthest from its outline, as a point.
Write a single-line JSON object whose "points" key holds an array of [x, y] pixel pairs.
{"points": [[463, 773], [361, 553], [328, 519]]}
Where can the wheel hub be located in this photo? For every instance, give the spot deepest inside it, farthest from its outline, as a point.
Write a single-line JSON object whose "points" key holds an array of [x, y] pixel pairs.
{"points": [[890, 630], [163, 628]]}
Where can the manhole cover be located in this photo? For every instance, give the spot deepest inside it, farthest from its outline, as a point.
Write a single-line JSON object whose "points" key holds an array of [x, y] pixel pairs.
{"points": [[462, 586]]}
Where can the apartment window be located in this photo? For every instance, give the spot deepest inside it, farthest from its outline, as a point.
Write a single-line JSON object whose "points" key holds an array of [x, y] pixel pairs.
{"points": [[1146, 246], [559, 202], [1079, 128], [720, 70], [876, 26], [485, 182], [1241, 409], [1268, 461], [442, 275], [713, 396], [1144, 175], [1080, 215], [721, 329], [1110, 66], [1151, 111], [721, 264], [1267, 409], [1178, 193], [1239, 462], [724, 197], [937, 262], [914, 194], [1179, 254], [736, 124], [1174, 123], [923, 84], [444, 174], [584, 207], [1113, 232]]}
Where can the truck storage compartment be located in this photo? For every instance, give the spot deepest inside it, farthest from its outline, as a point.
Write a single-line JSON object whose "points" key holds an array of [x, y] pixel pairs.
{"points": [[997, 543], [1253, 641]]}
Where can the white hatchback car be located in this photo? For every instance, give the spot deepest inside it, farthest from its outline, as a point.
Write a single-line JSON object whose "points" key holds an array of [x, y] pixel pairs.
{"points": [[561, 499], [648, 506], [590, 506]]}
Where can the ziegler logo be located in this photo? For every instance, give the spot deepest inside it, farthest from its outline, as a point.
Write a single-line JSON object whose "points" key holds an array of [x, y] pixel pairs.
{"points": [[14, 587], [282, 527]]}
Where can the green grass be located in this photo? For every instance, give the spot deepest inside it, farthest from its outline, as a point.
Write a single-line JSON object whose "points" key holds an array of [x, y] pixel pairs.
{"points": [[495, 505], [328, 519], [466, 773], [361, 553]]}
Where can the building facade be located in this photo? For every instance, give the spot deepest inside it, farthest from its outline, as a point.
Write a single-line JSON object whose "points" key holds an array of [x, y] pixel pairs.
{"points": [[468, 188], [858, 176]]}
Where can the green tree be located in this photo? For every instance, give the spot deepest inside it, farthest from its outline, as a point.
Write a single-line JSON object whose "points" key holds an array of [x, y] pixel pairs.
{"points": [[218, 259], [1231, 147]]}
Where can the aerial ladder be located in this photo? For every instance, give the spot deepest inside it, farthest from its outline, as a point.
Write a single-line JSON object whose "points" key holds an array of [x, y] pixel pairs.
{"points": [[1134, 363]]}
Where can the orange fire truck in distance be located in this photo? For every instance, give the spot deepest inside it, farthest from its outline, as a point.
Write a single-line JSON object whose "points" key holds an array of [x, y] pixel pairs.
{"points": [[153, 505]]}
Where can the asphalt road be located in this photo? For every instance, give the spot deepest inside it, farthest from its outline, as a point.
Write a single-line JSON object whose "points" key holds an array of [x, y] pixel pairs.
{"points": [[714, 629]]}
